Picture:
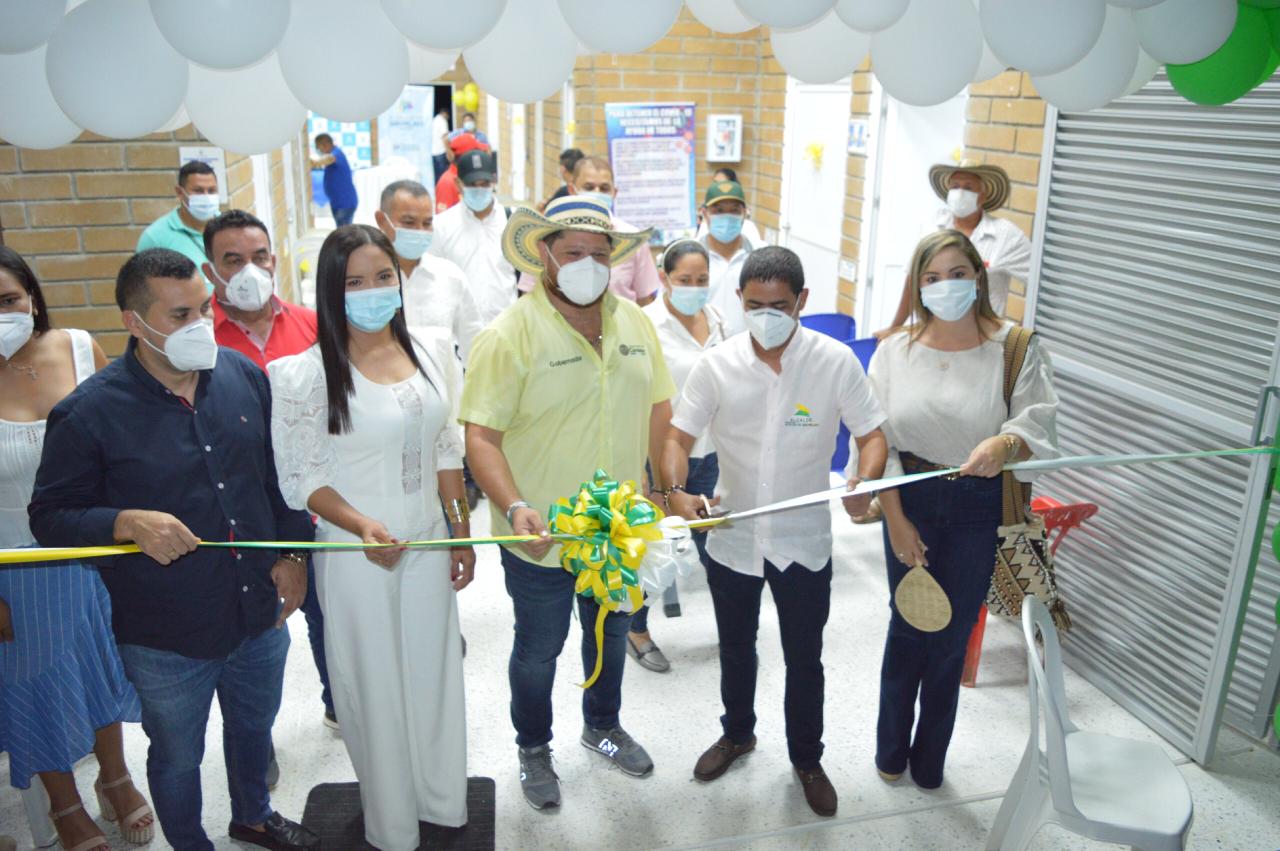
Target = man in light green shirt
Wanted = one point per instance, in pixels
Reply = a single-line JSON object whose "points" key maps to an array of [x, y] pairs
{"points": [[182, 229], [567, 380]]}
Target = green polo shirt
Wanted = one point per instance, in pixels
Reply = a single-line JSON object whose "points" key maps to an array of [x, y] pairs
{"points": [[169, 231], [564, 410]]}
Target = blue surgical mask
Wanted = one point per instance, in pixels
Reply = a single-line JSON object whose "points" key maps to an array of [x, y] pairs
{"points": [[951, 299], [202, 207], [412, 244], [477, 198], [689, 300], [370, 310], [469, 126], [725, 227], [604, 199]]}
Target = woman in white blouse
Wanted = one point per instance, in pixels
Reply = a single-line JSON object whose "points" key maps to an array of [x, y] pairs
{"points": [[361, 422], [687, 326], [941, 384]]}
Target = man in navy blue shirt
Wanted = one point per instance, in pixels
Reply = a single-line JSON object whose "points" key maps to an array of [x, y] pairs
{"points": [[337, 180], [168, 446]]}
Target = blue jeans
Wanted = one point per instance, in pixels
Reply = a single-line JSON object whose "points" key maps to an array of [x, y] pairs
{"points": [[803, 600], [957, 520], [315, 634], [703, 474], [176, 693], [543, 598], [343, 215]]}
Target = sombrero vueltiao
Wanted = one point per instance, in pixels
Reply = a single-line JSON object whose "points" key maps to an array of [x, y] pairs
{"points": [[993, 177], [527, 227]]}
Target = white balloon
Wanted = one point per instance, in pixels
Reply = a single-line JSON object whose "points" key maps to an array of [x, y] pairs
{"points": [[29, 116], [111, 70], [870, 16], [27, 24], [342, 66], [930, 54], [444, 24], [823, 52], [723, 16], [1134, 4], [1143, 73], [1101, 76], [180, 119], [426, 65], [620, 26], [222, 33], [1041, 36], [785, 14], [247, 111], [1184, 31], [989, 66], [527, 56]]}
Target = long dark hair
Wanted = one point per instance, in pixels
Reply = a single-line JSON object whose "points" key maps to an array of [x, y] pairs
{"points": [[12, 262], [331, 315]]}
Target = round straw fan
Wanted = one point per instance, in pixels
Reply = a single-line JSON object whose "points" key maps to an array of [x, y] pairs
{"points": [[921, 600]]}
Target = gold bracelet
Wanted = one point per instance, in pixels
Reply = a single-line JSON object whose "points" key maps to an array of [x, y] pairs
{"points": [[458, 511], [1012, 446]]}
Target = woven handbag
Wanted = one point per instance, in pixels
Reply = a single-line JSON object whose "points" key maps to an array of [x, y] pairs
{"points": [[1024, 564]]}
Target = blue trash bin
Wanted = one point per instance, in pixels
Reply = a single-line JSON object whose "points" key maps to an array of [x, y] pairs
{"points": [[836, 325], [863, 349]]}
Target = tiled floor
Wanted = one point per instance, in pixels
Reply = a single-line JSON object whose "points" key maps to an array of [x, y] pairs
{"points": [[758, 804]]}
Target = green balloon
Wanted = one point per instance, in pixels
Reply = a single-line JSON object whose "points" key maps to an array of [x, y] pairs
{"points": [[1273, 21], [1233, 69], [1272, 64], [1276, 720]]}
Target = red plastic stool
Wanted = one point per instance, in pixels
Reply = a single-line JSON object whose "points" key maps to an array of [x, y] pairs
{"points": [[1057, 517]]}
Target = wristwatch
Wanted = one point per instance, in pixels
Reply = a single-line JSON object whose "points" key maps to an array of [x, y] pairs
{"points": [[511, 509]]}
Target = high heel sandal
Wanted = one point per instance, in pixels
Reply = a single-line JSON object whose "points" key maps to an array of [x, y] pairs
{"points": [[98, 841], [129, 824]]}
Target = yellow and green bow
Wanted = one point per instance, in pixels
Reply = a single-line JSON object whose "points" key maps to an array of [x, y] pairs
{"points": [[611, 525]]}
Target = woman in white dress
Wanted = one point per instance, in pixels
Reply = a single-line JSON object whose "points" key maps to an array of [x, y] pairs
{"points": [[361, 422]]}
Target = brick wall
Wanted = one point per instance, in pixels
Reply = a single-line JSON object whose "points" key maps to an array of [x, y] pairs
{"points": [[76, 212], [855, 194], [1005, 127]]}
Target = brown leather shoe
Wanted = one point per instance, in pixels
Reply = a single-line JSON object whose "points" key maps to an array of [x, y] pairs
{"points": [[818, 791], [717, 758]]}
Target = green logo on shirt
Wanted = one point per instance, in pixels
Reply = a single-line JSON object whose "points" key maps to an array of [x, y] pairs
{"points": [[626, 350], [802, 418]]}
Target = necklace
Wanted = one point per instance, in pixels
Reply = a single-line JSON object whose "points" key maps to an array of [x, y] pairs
{"points": [[29, 370]]}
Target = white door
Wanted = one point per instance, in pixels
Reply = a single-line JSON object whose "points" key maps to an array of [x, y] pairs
{"points": [[903, 207], [814, 166]]}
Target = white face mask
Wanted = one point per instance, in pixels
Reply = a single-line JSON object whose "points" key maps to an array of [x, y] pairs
{"points": [[250, 288], [202, 207], [582, 281], [770, 328], [190, 348], [15, 330], [951, 299], [962, 202]]}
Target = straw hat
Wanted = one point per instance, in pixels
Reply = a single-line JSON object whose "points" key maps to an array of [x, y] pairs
{"points": [[527, 227], [994, 180]]}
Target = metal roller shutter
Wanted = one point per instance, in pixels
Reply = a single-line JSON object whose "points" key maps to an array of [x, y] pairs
{"points": [[1157, 290]]}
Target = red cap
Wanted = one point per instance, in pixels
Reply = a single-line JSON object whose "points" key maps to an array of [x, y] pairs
{"points": [[465, 142]]}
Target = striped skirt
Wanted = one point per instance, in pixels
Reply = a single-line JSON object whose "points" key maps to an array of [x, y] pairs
{"points": [[61, 679]]}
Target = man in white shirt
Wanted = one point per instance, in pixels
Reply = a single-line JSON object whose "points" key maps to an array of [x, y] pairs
{"points": [[971, 192], [436, 292], [726, 206], [470, 235], [772, 401]]}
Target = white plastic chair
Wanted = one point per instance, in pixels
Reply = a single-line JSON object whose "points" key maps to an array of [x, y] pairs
{"points": [[1101, 787]]}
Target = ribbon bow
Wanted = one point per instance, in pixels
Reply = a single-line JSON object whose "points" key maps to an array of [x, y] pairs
{"points": [[610, 525]]}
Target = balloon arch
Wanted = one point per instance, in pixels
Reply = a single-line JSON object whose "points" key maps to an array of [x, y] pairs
{"points": [[245, 72]]}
